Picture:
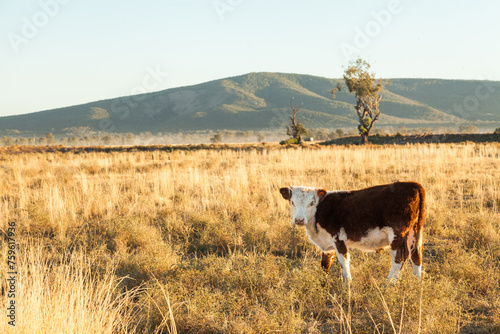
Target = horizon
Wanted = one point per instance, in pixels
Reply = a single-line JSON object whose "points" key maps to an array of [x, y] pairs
{"points": [[61, 53]]}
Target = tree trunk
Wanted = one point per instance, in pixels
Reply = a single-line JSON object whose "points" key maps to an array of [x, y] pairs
{"points": [[364, 138]]}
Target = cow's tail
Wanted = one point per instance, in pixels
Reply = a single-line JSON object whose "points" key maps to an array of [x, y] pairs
{"points": [[417, 250]]}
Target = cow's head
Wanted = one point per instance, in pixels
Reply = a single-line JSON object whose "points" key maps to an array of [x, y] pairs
{"points": [[303, 201]]}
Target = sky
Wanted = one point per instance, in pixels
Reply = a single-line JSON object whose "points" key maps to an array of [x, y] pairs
{"points": [[57, 53]]}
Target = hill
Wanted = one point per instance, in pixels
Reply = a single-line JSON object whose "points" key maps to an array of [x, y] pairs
{"points": [[258, 101]]}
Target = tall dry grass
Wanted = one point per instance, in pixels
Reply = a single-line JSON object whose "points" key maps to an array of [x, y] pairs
{"points": [[202, 242], [60, 293]]}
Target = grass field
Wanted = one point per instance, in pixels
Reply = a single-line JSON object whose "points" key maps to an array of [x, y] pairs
{"points": [[202, 242]]}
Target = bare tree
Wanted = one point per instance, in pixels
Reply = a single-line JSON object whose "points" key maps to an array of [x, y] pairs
{"points": [[295, 129]]}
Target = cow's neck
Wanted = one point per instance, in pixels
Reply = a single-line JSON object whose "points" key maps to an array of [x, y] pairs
{"points": [[311, 227], [319, 236]]}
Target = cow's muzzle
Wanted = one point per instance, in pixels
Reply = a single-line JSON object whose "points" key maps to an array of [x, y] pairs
{"points": [[299, 221]]}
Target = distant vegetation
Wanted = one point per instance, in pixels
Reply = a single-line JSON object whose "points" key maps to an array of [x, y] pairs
{"points": [[79, 137], [224, 137]]}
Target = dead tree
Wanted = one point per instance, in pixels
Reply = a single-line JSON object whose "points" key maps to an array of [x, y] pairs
{"points": [[295, 130]]}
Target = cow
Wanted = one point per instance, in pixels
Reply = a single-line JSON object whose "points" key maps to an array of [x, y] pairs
{"points": [[370, 219]]}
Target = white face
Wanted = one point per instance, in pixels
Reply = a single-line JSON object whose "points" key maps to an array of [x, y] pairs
{"points": [[303, 201]]}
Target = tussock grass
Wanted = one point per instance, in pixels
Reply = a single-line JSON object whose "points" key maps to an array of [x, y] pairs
{"points": [[61, 293], [201, 241]]}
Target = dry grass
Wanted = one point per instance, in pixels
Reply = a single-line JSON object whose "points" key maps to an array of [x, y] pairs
{"points": [[60, 293], [201, 242]]}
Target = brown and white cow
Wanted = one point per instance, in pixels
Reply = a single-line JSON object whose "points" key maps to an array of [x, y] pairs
{"points": [[370, 219]]}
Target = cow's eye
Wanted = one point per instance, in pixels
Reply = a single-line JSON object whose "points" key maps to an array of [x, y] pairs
{"points": [[311, 204]]}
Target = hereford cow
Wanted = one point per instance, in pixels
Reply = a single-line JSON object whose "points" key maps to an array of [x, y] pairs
{"points": [[370, 219]]}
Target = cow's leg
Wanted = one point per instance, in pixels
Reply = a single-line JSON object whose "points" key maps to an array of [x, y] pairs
{"points": [[343, 257], [344, 262], [415, 246], [395, 266], [399, 253], [417, 270], [326, 260]]}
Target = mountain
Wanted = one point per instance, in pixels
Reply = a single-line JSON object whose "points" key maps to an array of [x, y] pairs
{"points": [[257, 101]]}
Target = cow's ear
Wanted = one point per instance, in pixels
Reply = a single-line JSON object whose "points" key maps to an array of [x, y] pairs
{"points": [[321, 194], [286, 193]]}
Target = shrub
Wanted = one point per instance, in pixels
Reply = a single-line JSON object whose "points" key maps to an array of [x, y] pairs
{"points": [[468, 128], [289, 141], [217, 138]]}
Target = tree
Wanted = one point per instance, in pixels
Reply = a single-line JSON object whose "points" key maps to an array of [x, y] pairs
{"points": [[468, 128], [229, 134], [49, 137], [217, 138], [8, 141], [295, 130], [80, 132], [21, 141], [321, 134], [367, 90], [130, 138], [106, 139]]}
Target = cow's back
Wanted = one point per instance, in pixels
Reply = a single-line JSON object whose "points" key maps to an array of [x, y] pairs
{"points": [[398, 206]]}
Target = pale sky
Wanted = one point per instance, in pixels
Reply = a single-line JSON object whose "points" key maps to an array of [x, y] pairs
{"points": [[56, 53]]}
